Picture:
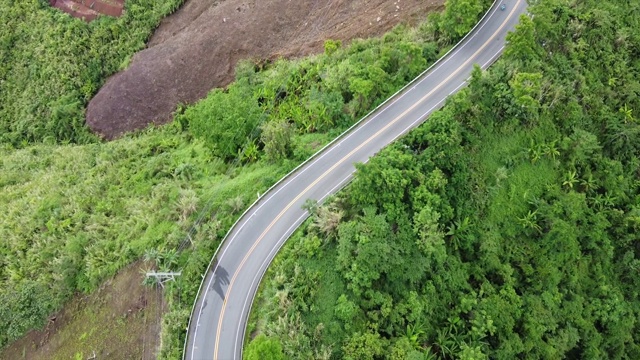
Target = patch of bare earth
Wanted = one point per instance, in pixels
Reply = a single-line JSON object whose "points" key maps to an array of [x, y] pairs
{"points": [[89, 10], [121, 320], [196, 49]]}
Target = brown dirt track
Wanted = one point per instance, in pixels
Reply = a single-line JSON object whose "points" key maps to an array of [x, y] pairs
{"points": [[196, 49], [89, 9]]}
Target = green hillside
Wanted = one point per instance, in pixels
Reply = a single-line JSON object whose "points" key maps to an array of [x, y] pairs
{"points": [[507, 226], [76, 210]]}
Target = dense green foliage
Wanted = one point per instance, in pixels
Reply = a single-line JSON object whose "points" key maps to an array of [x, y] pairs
{"points": [[52, 64], [504, 227], [264, 348]]}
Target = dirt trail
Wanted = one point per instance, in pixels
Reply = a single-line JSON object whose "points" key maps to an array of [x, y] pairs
{"points": [[196, 49], [89, 9]]}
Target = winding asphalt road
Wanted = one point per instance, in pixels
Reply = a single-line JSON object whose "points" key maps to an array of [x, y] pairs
{"points": [[218, 320]]}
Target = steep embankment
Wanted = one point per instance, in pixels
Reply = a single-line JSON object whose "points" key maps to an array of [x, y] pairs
{"points": [[196, 49]]}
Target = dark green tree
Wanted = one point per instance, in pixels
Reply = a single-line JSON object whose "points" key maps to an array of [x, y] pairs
{"points": [[459, 17], [263, 347]]}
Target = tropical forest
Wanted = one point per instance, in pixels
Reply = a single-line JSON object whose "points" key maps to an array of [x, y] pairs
{"points": [[506, 226]]}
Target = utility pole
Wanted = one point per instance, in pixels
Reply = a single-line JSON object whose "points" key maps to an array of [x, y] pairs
{"points": [[163, 277]]}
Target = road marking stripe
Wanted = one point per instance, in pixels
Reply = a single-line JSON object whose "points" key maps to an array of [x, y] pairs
{"points": [[257, 242]]}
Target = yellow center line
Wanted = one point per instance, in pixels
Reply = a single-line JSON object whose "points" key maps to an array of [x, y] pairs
{"points": [[442, 83]]}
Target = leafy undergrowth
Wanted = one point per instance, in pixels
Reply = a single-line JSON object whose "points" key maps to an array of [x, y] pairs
{"points": [[121, 320]]}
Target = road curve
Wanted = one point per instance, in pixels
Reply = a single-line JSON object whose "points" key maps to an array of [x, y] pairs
{"points": [[218, 320]]}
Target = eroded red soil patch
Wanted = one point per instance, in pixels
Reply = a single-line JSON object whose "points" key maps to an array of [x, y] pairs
{"points": [[89, 9]]}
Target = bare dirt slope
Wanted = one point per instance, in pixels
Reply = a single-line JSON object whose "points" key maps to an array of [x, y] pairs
{"points": [[121, 320], [196, 49]]}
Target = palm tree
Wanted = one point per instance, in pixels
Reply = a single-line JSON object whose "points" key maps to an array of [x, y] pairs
{"points": [[551, 149], [429, 354], [571, 179], [598, 201], [627, 113], [152, 255], [529, 221], [609, 200], [310, 205], [589, 184], [250, 152], [458, 231], [501, 174], [236, 204], [415, 334], [535, 152], [448, 340], [601, 201], [327, 219], [168, 258], [187, 203]]}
